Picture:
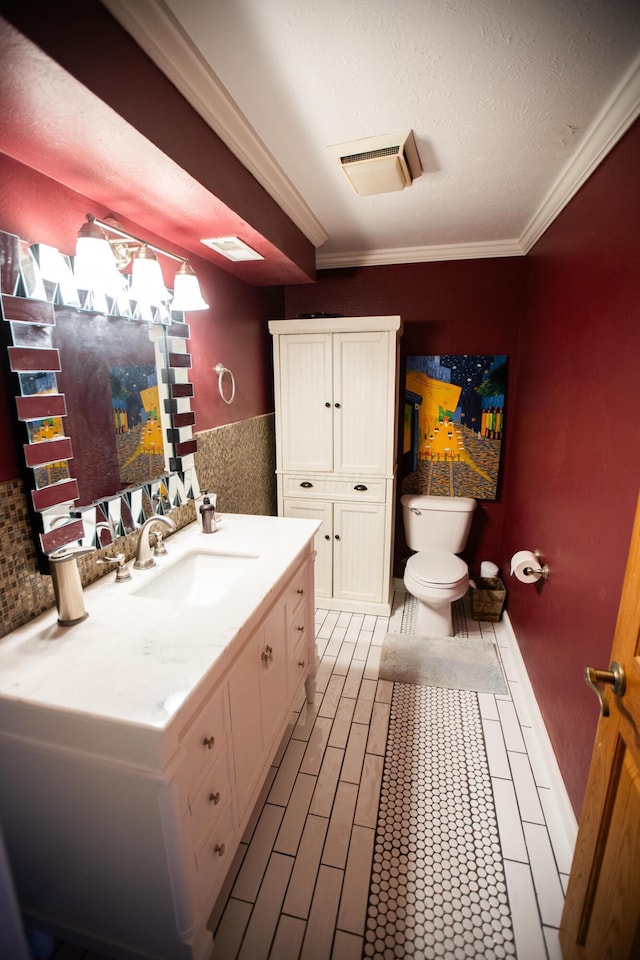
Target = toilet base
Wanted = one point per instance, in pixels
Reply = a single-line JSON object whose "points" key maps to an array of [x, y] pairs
{"points": [[434, 621]]}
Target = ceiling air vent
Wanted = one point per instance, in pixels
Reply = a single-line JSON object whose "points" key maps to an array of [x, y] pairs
{"points": [[379, 164], [232, 248]]}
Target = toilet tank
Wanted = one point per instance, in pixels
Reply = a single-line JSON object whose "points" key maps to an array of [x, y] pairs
{"points": [[437, 523]]}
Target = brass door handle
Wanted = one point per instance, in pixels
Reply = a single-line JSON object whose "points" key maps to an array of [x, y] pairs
{"points": [[614, 676]]}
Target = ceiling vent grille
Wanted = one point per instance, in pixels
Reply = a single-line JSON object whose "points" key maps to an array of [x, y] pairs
{"points": [[379, 164]]}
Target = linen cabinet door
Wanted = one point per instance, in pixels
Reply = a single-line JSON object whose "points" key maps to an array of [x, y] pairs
{"points": [[364, 403], [323, 541], [359, 555], [306, 402]]}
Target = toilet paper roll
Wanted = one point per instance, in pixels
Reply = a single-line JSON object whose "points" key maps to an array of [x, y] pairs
{"points": [[488, 570], [522, 563]]}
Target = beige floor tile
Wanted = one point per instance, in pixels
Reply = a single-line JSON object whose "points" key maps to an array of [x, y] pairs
{"points": [[295, 815], [355, 890], [327, 783], [266, 912], [354, 754], [305, 870], [322, 919], [336, 845]]}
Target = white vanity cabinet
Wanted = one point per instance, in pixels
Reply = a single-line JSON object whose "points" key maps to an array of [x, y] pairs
{"points": [[119, 832], [336, 385]]}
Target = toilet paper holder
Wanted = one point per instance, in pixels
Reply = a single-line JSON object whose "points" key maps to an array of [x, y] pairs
{"points": [[542, 571]]}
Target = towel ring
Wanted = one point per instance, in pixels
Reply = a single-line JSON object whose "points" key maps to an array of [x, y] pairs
{"points": [[220, 369]]}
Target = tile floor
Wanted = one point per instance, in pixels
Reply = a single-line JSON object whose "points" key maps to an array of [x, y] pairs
{"points": [[306, 882]]}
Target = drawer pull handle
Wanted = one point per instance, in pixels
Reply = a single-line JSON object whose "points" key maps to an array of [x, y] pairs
{"points": [[301, 663], [360, 486], [219, 849], [306, 484], [209, 742], [214, 798]]}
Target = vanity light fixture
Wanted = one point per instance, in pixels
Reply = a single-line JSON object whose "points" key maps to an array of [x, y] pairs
{"points": [[99, 255], [94, 267]]}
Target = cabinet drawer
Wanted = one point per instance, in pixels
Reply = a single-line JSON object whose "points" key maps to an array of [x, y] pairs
{"points": [[204, 742], [297, 591], [214, 856], [338, 488], [209, 801]]}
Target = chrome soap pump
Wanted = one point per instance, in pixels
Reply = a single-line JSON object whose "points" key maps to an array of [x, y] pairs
{"points": [[208, 513]]}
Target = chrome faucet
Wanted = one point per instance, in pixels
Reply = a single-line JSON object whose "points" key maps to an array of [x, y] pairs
{"points": [[144, 560], [67, 585]]}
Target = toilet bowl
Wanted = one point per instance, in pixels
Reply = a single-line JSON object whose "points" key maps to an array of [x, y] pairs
{"points": [[436, 579], [437, 528]]}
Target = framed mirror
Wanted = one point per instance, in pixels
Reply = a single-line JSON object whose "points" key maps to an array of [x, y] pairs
{"points": [[103, 403]]}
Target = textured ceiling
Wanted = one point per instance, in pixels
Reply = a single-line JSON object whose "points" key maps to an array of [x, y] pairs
{"points": [[512, 103]]}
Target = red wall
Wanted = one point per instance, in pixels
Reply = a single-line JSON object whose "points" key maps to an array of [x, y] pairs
{"points": [[458, 306], [574, 466], [232, 331], [568, 315]]}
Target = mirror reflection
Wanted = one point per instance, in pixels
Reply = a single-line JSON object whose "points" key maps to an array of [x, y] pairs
{"points": [[96, 397]]}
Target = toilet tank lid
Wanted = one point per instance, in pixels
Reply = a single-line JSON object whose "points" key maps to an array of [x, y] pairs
{"points": [[424, 502]]}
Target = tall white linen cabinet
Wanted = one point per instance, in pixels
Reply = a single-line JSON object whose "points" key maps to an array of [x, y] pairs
{"points": [[336, 402]]}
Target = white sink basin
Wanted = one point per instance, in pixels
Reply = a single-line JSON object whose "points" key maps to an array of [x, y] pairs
{"points": [[199, 579]]}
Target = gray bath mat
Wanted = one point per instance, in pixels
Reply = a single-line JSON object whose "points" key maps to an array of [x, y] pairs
{"points": [[458, 663]]}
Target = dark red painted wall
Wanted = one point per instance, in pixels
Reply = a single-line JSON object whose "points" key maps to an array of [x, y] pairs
{"points": [[573, 469], [232, 331], [457, 306]]}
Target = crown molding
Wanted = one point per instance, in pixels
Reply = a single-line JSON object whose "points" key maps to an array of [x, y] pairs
{"points": [[448, 251], [613, 120], [155, 29]]}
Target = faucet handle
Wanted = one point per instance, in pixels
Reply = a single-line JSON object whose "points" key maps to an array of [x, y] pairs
{"points": [[122, 573], [68, 551]]}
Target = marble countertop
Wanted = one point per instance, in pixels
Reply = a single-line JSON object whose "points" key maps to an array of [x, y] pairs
{"points": [[140, 661]]}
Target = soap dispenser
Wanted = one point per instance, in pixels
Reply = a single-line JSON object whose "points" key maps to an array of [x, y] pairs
{"points": [[208, 513]]}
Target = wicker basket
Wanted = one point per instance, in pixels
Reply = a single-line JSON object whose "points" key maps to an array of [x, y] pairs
{"points": [[487, 599]]}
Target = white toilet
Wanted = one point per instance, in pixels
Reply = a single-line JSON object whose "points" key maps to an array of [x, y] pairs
{"points": [[437, 527]]}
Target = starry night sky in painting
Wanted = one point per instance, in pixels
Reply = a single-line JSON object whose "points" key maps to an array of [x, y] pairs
{"points": [[465, 371]]}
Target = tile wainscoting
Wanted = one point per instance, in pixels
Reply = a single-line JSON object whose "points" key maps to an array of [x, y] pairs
{"points": [[236, 461]]}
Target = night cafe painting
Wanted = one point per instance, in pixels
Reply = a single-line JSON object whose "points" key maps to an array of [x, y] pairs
{"points": [[453, 425]]}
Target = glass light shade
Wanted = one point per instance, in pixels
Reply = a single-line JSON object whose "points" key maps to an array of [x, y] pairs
{"points": [[94, 265], [147, 283], [187, 295]]}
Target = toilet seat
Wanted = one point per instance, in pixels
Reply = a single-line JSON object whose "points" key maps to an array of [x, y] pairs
{"points": [[437, 568]]}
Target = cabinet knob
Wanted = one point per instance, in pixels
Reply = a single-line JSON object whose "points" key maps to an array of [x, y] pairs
{"points": [[327, 404], [337, 405], [337, 536], [300, 629], [301, 663], [209, 742], [300, 591], [327, 537], [214, 798], [219, 849]]}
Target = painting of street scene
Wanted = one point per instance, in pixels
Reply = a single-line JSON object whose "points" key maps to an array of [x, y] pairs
{"points": [[136, 421], [453, 425]]}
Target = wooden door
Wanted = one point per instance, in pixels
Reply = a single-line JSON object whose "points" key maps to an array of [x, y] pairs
{"points": [[323, 511], [601, 918]]}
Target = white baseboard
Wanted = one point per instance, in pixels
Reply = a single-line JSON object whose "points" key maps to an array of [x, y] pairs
{"points": [[562, 805]]}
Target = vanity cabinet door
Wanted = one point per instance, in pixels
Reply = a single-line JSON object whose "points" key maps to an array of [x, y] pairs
{"points": [[246, 721]]}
